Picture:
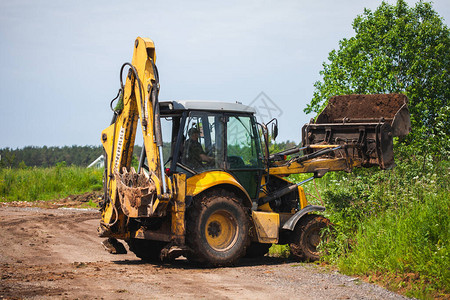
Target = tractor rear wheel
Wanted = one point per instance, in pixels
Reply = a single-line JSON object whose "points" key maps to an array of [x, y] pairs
{"points": [[307, 236], [216, 229], [147, 250]]}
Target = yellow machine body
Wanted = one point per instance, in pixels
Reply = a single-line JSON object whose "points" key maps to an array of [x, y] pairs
{"points": [[218, 211]]}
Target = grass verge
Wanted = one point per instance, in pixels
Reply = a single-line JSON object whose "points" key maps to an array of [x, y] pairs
{"points": [[31, 184], [392, 227]]}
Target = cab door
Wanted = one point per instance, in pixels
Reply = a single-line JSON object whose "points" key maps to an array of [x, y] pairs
{"points": [[243, 152]]}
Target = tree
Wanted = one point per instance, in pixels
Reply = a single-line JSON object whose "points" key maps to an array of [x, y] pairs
{"points": [[7, 158], [396, 49]]}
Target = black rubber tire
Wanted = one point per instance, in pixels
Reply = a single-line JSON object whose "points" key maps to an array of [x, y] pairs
{"points": [[256, 250], [147, 250], [307, 236], [203, 231]]}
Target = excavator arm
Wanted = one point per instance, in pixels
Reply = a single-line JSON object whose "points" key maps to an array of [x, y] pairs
{"points": [[126, 190]]}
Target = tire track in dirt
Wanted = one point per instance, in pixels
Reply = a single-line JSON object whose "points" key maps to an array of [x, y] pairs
{"points": [[55, 253]]}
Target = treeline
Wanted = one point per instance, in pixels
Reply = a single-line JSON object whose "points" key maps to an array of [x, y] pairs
{"points": [[32, 156]]}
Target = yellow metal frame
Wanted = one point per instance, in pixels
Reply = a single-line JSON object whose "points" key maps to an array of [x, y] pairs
{"points": [[328, 164], [302, 197], [267, 226], [203, 181], [118, 139], [179, 209]]}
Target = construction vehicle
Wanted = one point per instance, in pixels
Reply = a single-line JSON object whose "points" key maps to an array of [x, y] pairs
{"points": [[219, 194]]}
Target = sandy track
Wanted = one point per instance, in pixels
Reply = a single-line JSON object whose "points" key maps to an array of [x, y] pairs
{"points": [[55, 253]]}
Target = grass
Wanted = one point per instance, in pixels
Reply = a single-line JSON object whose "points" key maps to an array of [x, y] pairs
{"points": [[279, 251], [31, 184], [392, 226], [412, 240]]}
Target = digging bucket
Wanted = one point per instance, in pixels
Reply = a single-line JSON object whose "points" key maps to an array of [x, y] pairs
{"points": [[137, 193]]}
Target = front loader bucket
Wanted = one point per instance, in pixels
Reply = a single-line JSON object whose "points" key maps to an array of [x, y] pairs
{"points": [[364, 125], [386, 108]]}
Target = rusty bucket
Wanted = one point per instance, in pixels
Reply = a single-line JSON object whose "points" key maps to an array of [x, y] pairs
{"points": [[364, 123]]}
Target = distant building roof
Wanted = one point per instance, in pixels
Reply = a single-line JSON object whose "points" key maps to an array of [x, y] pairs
{"points": [[99, 162]]}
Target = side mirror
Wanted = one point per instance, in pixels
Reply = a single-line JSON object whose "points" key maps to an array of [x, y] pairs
{"points": [[275, 130]]}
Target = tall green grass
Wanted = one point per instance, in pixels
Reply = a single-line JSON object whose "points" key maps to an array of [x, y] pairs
{"points": [[395, 223], [31, 184], [414, 239]]}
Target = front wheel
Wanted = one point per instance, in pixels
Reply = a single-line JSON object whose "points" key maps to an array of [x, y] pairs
{"points": [[307, 236], [217, 229]]}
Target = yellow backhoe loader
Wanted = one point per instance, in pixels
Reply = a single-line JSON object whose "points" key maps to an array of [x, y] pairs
{"points": [[210, 190]]}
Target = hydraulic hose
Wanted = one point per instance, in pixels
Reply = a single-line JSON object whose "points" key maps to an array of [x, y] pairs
{"points": [[112, 101], [139, 84], [157, 124]]}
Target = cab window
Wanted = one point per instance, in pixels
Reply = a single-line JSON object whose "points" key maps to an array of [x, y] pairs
{"points": [[242, 143], [203, 145]]}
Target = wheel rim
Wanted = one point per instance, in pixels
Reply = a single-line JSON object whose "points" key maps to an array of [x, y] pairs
{"points": [[221, 230], [313, 240]]}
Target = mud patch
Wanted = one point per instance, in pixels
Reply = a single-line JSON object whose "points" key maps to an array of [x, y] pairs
{"points": [[86, 197], [81, 200], [18, 282], [67, 260]]}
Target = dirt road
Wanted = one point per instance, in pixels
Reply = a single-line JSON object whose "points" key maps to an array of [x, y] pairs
{"points": [[55, 253]]}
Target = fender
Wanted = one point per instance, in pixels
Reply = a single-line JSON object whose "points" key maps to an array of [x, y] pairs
{"points": [[203, 181], [290, 224]]}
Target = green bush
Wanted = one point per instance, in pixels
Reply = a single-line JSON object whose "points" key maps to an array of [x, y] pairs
{"points": [[395, 221]]}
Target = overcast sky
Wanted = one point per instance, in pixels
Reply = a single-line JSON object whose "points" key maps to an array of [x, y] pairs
{"points": [[60, 60]]}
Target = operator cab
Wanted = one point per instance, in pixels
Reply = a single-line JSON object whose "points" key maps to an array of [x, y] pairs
{"points": [[209, 136]]}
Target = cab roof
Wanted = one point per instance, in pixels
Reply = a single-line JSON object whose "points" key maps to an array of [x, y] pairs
{"points": [[182, 105]]}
